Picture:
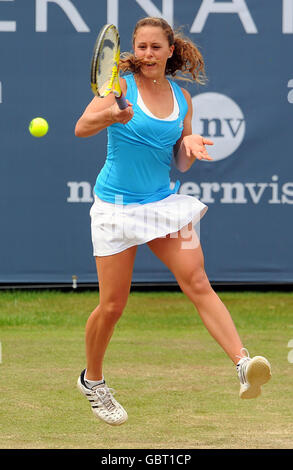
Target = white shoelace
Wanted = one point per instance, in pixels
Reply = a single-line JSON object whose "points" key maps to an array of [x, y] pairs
{"points": [[104, 394], [246, 354]]}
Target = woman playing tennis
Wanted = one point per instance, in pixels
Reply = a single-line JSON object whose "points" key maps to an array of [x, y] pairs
{"points": [[134, 204]]}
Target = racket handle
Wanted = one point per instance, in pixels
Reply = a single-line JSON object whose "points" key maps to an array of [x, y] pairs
{"points": [[121, 101]]}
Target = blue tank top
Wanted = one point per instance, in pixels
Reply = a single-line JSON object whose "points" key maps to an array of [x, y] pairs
{"points": [[139, 154]]}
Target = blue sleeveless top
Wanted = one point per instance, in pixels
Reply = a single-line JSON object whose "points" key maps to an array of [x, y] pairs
{"points": [[139, 154]]}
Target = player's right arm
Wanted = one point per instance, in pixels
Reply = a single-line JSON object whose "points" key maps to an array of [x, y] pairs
{"points": [[101, 113]]}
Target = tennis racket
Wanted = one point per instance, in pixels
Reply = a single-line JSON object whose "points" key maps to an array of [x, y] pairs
{"points": [[105, 65]]}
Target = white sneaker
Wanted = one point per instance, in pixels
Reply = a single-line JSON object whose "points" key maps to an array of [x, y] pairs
{"points": [[253, 373], [103, 404]]}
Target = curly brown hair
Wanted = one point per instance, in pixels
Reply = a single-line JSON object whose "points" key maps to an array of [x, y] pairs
{"points": [[186, 57]]}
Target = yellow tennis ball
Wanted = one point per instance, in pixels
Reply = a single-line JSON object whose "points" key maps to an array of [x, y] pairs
{"points": [[38, 127]]}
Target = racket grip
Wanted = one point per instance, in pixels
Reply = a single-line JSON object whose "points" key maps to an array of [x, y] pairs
{"points": [[121, 101]]}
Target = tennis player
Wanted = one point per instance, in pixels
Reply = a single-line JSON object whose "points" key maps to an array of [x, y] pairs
{"points": [[134, 203]]}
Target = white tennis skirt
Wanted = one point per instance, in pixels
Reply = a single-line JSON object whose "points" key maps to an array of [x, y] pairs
{"points": [[116, 227]]}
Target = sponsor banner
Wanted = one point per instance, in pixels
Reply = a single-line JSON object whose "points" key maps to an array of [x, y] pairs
{"points": [[246, 108]]}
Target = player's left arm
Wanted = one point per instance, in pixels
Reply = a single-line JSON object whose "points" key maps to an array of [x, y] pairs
{"points": [[190, 146]]}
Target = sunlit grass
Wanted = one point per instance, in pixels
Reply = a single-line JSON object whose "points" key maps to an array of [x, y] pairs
{"points": [[178, 386]]}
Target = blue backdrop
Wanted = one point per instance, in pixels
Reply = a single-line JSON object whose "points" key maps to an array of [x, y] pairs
{"points": [[246, 108]]}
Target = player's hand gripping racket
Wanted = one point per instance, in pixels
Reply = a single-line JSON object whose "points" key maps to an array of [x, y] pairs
{"points": [[105, 65]]}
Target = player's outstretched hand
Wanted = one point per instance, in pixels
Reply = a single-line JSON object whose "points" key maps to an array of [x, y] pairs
{"points": [[194, 145]]}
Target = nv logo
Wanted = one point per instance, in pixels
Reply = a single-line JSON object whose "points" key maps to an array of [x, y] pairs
{"points": [[219, 118], [214, 127]]}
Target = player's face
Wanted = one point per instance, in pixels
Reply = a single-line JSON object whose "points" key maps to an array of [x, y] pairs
{"points": [[151, 45]]}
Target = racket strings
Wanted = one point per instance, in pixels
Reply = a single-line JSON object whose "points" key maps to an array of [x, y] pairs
{"points": [[107, 60]]}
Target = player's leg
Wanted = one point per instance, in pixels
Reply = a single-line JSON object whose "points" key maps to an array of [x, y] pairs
{"points": [[183, 256], [114, 274]]}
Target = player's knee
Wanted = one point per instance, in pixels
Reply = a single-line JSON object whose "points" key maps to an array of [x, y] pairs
{"points": [[112, 310], [196, 283]]}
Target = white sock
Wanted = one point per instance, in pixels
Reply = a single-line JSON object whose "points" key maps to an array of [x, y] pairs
{"points": [[93, 383]]}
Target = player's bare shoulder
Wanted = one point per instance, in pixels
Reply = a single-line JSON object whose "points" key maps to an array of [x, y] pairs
{"points": [[187, 95]]}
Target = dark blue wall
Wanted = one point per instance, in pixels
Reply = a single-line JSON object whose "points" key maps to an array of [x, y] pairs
{"points": [[246, 108]]}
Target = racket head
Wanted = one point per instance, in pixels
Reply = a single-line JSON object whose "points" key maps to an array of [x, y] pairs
{"points": [[105, 62]]}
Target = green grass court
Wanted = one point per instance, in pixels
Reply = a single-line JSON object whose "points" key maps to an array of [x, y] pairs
{"points": [[179, 388]]}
